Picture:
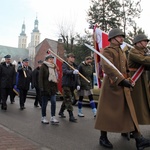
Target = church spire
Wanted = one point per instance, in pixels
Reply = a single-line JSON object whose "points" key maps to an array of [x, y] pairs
{"points": [[23, 29], [36, 23]]}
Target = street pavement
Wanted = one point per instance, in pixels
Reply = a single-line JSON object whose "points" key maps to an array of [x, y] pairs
{"points": [[23, 130]]}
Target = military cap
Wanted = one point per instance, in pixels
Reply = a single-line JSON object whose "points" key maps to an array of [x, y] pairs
{"points": [[70, 55], [40, 62], [115, 32], [7, 56], [88, 57], [140, 37], [25, 60], [49, 56]]}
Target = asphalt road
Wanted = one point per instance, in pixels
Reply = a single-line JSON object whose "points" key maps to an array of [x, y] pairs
{"points": [[66, 135]]}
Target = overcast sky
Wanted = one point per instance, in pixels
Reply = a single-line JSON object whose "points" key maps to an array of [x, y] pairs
{"points": [[50, 14]]}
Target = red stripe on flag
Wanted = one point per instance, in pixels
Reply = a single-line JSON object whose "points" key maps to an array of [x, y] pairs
{"points": [[100, 41], [137, 74], [59, 65]]}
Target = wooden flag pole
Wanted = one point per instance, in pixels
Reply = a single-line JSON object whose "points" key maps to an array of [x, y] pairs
{"points": [[69, 65]]}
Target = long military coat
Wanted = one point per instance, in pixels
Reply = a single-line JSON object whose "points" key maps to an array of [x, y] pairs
{"points": [[115, 108], [140, 93]]}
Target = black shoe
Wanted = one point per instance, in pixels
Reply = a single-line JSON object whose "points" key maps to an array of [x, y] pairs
{"points": [[142, 143], [72, 119], [127, 135], [103, 141], [61, 114], [4, 107], [71, 116], [36, 105], [22, 108]]}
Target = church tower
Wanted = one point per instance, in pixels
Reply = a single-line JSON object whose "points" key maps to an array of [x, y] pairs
{"points": [[35, 40], [35, 35], [22, 39]]}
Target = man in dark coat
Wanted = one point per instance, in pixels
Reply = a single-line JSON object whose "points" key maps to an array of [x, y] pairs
{"points": [[116, 111], [69, 84], [35, 84], [7, 80], [24, 80]]}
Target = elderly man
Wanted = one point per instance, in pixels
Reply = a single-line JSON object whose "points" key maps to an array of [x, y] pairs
{"points": [[7, 80], [24, 80]]}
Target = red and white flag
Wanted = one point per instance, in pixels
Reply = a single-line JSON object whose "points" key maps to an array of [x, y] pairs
{"points": [[100, 41]]}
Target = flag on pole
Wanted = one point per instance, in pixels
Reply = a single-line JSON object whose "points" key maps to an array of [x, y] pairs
{"points": [[100, 39]]}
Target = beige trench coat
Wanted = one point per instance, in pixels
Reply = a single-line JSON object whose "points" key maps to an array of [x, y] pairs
{"points": [[140, 93], [115, 111]]}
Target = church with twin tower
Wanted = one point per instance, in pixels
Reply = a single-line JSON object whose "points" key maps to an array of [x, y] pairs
{"points": [[35, 39]]}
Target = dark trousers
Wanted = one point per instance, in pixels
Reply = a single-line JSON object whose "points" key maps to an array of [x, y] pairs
{"points": [[22, 97], [38, 97], [45, 100], [4, 94]]}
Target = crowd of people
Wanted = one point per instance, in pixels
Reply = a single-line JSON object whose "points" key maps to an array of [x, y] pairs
{"points": [[124, 102]]}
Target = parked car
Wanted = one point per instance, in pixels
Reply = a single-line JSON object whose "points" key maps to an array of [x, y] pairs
{"points": [[32, 93]]}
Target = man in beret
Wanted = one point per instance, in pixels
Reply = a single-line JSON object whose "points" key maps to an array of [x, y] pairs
{"points": [[24, 80], [35, 84], [7, 80]]}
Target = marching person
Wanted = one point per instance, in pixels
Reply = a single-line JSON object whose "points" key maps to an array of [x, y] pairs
{"points": [[115, 109], [69, 84], [24, 80], [85, 88], [7, 80], [48, 86], [140, 56], [35, 84]]}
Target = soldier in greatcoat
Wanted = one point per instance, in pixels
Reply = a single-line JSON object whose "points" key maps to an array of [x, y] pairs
{"points": [[140, 56], [115, 109], [7, 80]]}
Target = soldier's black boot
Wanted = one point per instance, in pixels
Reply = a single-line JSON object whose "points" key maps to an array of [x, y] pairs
{"points": [[142, 143], [103, 141], [4, 106], [71, 117], [61, 113]]}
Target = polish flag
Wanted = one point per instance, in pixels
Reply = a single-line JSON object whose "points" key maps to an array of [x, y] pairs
{"points": [[100, 39]]}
